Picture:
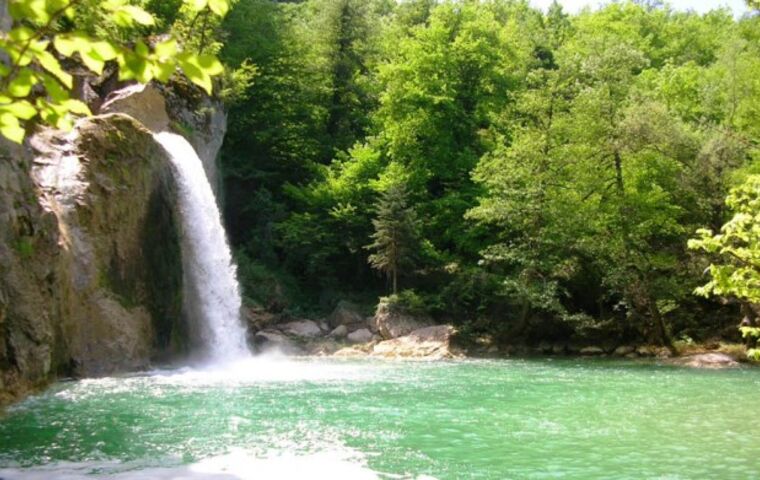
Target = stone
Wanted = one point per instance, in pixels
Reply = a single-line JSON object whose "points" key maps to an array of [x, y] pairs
{"points": [[269, 341], [592, 351], [302, 328], [345, 313], [371, 324], [350, 352], [393, 323], [362, 335], [322, 347], [430, 342], [707, 360], [624, 350], [144, 103], [645, 351], [339, 332]]}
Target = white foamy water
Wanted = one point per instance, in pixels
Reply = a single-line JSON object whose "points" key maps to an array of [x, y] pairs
{"points": [[211, 290], [239, 464]]}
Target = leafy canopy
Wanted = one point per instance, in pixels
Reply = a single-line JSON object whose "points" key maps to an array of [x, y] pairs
{"points": [[33, 82]]}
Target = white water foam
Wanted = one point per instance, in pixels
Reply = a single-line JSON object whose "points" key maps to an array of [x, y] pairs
{"points": [[211, 290], [239, 464]]}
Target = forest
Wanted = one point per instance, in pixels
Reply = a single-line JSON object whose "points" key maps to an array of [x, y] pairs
{"points": [[530, 174]]}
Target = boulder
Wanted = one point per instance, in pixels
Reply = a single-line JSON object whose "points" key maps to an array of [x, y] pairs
{"points": [[322, 347], [624, 350], [362, 335], [558, 349], [707, 360], [302, 328], [339, 332], [645, 351], [269, 341], [350, 352], [345, 313], [393, 322], [429, 342], [144, 103], [592, 351]]}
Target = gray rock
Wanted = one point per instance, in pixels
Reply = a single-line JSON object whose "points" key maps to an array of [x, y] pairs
{"points": [[346, 313], [339, 332], [392, 323], [144, 103], [624, 350], [707, 360], [429, 342], [302, 328], [592, 351], [360, 336], [645, 351]]}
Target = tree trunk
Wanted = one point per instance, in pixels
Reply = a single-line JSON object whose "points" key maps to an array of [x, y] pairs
{"points": [[395, 282]]}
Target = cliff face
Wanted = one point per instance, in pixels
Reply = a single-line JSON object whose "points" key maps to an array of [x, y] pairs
{"points": [[90, 263]]}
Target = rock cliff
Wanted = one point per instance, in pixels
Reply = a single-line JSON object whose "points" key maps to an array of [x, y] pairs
{"points": [[90, 262]]}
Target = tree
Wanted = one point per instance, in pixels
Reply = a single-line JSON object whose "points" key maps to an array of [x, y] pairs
{"points": [[737, 247], [395, 233], [45, 31]]}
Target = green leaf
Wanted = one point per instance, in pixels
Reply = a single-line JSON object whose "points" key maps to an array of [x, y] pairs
{"points": [[10, 128], [93, 61], [22, 85], [164, 70], [197, 5], [210, 64], [21, 109], [219, 7], [105, 50], [49, 63], [77, 106], [196, 75], [138, 14], [54, 89], [166, 49]]}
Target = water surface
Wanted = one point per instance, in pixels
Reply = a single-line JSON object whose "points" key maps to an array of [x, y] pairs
{"points": [[522, 419]]}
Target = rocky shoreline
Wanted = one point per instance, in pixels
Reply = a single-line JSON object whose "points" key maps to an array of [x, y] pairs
{"points": [[346, 333]]}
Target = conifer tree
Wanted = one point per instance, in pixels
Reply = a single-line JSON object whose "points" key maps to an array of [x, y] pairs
{"points": [[395, 233]]}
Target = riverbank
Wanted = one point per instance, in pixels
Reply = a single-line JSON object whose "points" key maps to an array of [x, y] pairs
{"points": [[346, 333]]}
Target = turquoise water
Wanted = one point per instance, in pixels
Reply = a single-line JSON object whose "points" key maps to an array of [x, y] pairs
{"points": [[500, 419]]}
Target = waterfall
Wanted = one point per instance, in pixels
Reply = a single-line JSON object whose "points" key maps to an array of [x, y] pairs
{"points": [[211, 291]]}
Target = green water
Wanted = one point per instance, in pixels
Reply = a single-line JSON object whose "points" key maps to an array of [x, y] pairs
{"points": [[531, 419]]}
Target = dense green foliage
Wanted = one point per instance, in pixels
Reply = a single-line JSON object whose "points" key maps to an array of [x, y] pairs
{"points": [[557, 164], [738, 248], [35, 85]]}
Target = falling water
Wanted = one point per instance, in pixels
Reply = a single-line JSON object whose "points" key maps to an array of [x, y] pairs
{"points": [[211, 290]]}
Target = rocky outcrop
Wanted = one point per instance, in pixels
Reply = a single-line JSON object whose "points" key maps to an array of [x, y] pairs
{"points": [[89, 255], [706, 360], [429, 342], [302, 328], [393, 322], [347, 314], [90, 263]]}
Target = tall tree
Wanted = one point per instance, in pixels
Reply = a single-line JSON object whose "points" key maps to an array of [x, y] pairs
{"points": [[395, 236]]}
